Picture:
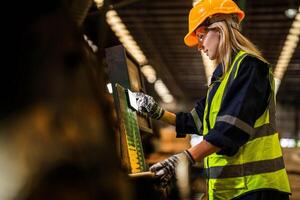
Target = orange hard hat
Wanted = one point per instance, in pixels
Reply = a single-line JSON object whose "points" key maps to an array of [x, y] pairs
{"points": [[207, 8]]}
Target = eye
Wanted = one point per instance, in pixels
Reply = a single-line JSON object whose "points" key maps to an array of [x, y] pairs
{"points": [[200, 37]]}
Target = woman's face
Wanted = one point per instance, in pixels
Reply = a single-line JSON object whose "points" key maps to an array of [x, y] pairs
{"points": [[208, 41]]}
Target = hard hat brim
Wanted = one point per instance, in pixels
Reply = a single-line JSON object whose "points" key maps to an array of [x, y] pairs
{"points": [[191, 39]]}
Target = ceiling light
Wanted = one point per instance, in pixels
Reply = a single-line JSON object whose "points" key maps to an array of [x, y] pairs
{"points": [[124, 36], [168, 98], [277, 83], [99, 3], [133, 48], [295, 31], [296, 24], [109, 88], [288, 49], [160, 87], [90, 43], [291, 13], [298, 16], [162, 90], [287, 142], [149, 73]]}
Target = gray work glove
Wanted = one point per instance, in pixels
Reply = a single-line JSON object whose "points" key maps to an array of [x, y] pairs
{"points": [[148, 105], [165, 170]]}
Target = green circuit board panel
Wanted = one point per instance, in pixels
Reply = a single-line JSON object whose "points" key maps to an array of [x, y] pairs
{"points": [[131, 144]]}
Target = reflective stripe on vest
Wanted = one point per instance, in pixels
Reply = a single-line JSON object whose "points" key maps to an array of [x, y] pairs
{"points": [[240, 56], [258, 161], [261, 131], [197, 120], [251, 168]]}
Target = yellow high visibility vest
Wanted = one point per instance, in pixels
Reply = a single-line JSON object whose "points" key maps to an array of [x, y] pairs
{"points": [[258, 164]]}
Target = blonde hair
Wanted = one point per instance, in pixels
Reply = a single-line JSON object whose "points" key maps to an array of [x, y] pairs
{"points": [[232, 41]]}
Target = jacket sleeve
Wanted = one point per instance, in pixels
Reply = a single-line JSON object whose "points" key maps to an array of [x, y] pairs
{"points": [[245, 101], [191, 122]]}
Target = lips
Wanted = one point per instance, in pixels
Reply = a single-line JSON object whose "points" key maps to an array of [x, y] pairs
{"points": [[206, 52]]}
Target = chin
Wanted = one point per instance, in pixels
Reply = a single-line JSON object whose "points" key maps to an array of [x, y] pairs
{"points": [[211, 58]]}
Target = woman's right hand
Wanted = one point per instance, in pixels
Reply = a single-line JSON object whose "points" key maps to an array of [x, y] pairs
{"points": [[147, 104]]}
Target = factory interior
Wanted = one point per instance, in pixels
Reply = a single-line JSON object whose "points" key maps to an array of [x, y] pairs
{"points": [[68, 130]]}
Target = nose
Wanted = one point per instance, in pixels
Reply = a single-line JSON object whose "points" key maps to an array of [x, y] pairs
{"points": [[200, 47]]}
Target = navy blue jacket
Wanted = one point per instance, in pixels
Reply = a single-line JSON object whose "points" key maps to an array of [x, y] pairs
{"points": [[246, 99]]}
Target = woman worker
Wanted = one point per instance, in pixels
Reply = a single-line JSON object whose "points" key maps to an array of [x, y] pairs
{"points": [[241, 150]]}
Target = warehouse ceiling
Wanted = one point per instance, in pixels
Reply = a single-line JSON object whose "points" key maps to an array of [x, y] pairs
{"points": [[160, 26]]}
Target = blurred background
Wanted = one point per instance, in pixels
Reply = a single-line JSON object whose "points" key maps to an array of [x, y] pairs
{"points": [[58, 118]]}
